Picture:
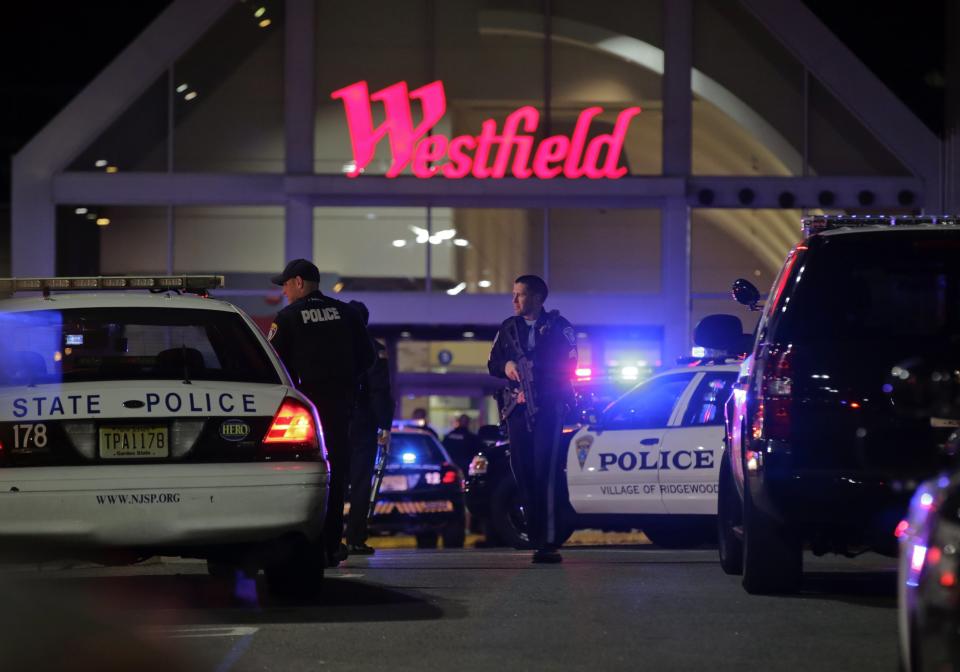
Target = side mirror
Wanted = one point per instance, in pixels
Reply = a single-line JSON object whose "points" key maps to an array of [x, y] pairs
{"points": [[921, 388], [746, 293], [721, 332], [490, 434]]}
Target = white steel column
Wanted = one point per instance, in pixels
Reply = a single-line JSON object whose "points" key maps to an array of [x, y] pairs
{"points": [[675, 214], [299, 121]]}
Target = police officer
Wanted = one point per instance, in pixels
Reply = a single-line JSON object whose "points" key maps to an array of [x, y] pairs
{"points": [[462, 444], [374, 413], [536, 351], [325, 347]]}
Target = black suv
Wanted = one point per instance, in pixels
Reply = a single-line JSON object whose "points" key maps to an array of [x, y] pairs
{"points": [[815, 450]]}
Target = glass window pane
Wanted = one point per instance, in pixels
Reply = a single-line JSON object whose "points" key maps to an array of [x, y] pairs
{"points": [[610, 54], [228, 94], [582, 258], [706, 404], [648, 406], [136, 141], [748, 96]]}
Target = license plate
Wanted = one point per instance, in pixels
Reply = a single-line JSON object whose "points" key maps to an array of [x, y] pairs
{"points": [[132, 443], [393, 484]]}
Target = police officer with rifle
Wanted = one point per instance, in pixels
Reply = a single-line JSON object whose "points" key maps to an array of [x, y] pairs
{"points": [[325, 346], [536, 351]]}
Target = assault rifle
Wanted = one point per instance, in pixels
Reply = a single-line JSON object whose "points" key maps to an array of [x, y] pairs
{"points": [[527, 380]]}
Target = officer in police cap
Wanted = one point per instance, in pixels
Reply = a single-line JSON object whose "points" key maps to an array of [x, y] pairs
{"points": [[536, 351], [373, 417], [325, 346]]}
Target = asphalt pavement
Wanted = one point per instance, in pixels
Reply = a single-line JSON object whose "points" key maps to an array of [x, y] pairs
{"points": [[609, 608]]}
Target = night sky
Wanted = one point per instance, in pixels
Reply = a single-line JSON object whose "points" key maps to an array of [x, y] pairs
{"points": [[51, 50]]}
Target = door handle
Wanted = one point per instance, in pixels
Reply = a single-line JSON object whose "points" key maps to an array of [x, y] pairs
{"points": [[649, 442]]}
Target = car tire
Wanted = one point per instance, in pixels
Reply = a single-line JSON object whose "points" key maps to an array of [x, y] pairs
{"points": [[300, 571], [454, 536], [506, 516], [729, 516], [427, 540], [772, 552]]}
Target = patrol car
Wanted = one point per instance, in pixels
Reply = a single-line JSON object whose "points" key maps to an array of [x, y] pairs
{"points": [[156, 422], [422, 490], [818, 450], [648, 461]]}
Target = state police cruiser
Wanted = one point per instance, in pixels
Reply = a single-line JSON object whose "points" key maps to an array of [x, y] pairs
{"points": [[325, 347], [537, 352]]}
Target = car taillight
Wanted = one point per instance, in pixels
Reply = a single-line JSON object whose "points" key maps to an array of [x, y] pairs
{"points": [[451, 475], [773, 419], [294, 427]]}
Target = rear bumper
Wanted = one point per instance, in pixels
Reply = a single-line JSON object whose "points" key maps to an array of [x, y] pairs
{"points": [[159, 506], [415, 511]]}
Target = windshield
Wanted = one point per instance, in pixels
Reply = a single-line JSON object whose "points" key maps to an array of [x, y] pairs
{"points": [[102, 344], [895, 285], [409, 450]]}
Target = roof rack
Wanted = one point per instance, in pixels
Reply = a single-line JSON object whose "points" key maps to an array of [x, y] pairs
{"points": [[195, 284], [819, 223]]}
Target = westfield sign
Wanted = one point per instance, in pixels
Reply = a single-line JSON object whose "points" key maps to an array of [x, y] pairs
{"points": [[491, 154]]}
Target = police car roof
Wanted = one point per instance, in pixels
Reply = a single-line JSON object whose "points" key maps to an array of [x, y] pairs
{"points": [[883, 228], [131, 299], [709, 366]]}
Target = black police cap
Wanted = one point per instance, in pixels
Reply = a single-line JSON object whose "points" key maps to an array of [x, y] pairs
{"points": [[298, 267]]}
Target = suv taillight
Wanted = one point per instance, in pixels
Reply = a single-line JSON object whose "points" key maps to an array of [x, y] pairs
{"points": [[295, 429], [776, 396]]}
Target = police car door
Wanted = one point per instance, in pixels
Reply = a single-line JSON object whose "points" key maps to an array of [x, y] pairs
{"points": [[612, 467], [691, 449]]}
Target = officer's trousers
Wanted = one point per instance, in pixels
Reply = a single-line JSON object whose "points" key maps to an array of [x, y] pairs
{"points": [[363, 456], [538, 467], [335, 420]]}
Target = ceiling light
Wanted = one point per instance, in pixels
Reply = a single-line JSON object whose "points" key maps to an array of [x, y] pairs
{"points": [[468, 334], [435, 239], [422, 234], [337, 288], [446, 234], [485, 283], [112, 169], [91, 216], [260, 12], [349, 167], [182, 88], [371, 215], [265, 23], [461, 242], [399, 243], [190, 96], [453, 291], [81, 211], [404, 334], [103, 221], [100, 163]]}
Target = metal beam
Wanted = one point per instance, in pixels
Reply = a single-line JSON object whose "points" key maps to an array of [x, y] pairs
{"points": [[675, 278], [677, 99], [299, 83], [856, 87]]}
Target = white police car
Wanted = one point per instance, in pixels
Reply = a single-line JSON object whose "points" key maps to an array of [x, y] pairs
{"points": [[142, 423], [651, 458]]}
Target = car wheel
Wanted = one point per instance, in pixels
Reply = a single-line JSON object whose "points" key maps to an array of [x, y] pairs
{"points": [[729, 516], [454, 536], [427, 540], [772, 552], [300, 571], [506, 514]]}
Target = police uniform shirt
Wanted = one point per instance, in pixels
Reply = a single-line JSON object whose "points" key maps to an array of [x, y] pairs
{"points": [[324, 345], [553, 350]]}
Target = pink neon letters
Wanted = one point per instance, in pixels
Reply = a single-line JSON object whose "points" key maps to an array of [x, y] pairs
{"points": [[467, 155]]}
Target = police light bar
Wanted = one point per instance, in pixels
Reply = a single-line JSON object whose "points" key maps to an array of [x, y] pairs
{"points": [[184, 283], [820, 223]]}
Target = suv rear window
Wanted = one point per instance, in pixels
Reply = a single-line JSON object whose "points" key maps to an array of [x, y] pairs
{"points": [[875, 286], [104, 344]]}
